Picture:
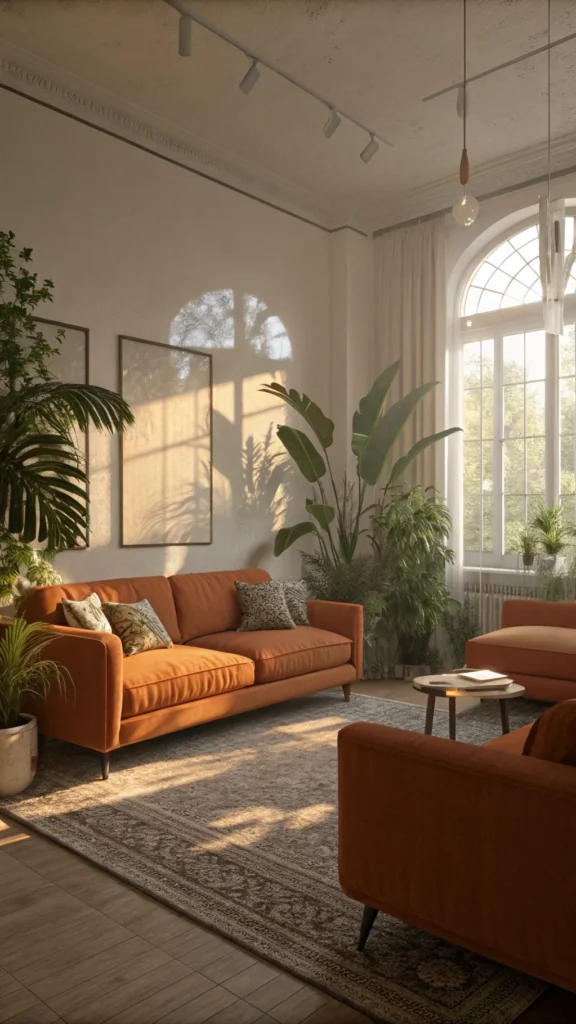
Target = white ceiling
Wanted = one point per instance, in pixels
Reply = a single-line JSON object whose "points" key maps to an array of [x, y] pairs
{"points": [[375, 58]]}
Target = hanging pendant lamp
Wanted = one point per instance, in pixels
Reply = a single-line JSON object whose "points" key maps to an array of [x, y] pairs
{"points": [[465, 209], [551, 239]]}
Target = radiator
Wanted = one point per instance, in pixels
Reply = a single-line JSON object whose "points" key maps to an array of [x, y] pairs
{"points": [[487, 599]]}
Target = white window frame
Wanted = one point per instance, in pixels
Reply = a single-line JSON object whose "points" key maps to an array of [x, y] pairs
{"points": [[495, 324]]}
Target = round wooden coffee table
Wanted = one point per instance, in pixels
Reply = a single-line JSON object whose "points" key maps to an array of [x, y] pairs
{"points": [[450, 686]]}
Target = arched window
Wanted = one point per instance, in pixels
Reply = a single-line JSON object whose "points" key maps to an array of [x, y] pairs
{"points": [[519, 389]]}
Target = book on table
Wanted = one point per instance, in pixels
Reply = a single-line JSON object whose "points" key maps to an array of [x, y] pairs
{"points": [[481, 675]]}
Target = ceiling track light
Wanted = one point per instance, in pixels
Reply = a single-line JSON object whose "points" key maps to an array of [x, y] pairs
{"points": [[250, 78], [332, 124], [370, 150], [185, 36]]}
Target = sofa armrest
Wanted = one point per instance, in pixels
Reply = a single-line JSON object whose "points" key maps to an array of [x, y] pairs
{"points": [[89, 709], [345, 619], [456, 839], [526, 612]]}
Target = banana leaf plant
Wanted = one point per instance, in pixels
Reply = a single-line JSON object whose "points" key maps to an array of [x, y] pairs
{"points": [[335, 514], [43, 482]]}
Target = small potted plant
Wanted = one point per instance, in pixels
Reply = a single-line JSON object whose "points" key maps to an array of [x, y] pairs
{"points": [[24, 673], [527, 545], [553, 534]]}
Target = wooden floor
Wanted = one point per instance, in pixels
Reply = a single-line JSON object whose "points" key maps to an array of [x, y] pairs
{"points": [[79, 946]]}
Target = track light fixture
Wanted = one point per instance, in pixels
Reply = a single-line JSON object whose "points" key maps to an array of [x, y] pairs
{"points": [[332, 124], [250, 78], [185, 36], [370, 150]]}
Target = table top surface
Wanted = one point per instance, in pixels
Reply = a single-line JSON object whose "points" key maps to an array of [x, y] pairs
{"points": [[452, 688]]}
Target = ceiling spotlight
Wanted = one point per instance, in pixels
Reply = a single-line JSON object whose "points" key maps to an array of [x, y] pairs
{"points": [[331, 124], [185, 36], [370, 150], [250, 78]]}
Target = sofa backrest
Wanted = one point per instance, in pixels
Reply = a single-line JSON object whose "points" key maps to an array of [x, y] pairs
{"points": [[44, 604], [207, 602], [539, 613]]}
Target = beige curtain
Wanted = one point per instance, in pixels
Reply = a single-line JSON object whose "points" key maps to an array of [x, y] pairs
{"points": [[411, 326]]}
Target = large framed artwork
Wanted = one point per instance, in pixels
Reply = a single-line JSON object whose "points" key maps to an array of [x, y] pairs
{"points": [[71, 365], [166, 456]]}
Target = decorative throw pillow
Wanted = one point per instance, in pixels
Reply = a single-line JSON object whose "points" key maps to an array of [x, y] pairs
{"points": [[296, 594], [263, 606], [553, 735], [137, 625], [86, 614]]}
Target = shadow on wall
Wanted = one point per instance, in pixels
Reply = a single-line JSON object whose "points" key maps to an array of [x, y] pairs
{"points": [[250, 346]]}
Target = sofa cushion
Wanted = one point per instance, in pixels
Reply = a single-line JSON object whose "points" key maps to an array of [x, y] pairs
{"points": [[44, 604], [511, 742], [206, 602], [553, 735], [164, 678], [280, 653], [529, 650]]}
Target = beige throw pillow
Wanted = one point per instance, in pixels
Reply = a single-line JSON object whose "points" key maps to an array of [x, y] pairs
{"points": [[86, 614]]}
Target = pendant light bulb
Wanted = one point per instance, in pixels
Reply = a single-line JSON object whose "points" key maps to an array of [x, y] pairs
{"points": [[465, 210]]}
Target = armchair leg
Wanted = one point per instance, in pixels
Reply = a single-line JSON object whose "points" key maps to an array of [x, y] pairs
{"points": [[347, 687], [105, 765], [368, 918]]}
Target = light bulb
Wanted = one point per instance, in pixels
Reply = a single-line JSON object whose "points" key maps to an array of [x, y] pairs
{"points": [[465, 210]]}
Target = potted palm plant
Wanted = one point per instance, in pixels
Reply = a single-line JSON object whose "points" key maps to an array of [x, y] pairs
{"points": [[527, 545], [553, 533], [24, 673]]}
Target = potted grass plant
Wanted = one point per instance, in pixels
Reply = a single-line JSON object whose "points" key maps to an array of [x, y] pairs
{"points": [[527, 545], [24, 673]]}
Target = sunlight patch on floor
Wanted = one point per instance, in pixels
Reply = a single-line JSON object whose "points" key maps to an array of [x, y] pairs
{"points": [[253, 824]]}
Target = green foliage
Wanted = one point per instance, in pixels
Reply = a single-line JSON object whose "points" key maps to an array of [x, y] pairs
{"points": [[22, 566], [526, 542], [375, 430], [409, 531], [461, 625], [356, 581], [43, 484], [551, 530], [24, 671]]}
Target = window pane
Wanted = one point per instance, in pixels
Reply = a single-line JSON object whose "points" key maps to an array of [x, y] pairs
{"points": [[488, 524], [535, 419], [514, 411], [472, 472], [535, 355], [533, 503], [513, 458], [472, 372], [567, 465], [513, 520], [483, 273], [487, 362], [472, 523], [487, 471], [535, 465], [567, 405], [512, 264], [473, 295], [487, 413], [472, 400], [499, 281], [513, 358], [568, 503], [567, 367]]}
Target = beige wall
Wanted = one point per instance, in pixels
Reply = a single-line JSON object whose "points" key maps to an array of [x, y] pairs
{"points": [[129, 240]]}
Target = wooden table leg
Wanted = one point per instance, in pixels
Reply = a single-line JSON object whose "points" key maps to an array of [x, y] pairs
{"points": [[430, 714], [504, 716], [452, 716]]}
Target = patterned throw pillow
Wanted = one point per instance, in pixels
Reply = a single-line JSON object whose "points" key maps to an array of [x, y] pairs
{"points": [[86, 614], [137, 625], [263, 606], [296, 594]]}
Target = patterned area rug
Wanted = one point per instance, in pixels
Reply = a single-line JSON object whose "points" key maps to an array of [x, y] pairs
{"points": [[234, 823]]}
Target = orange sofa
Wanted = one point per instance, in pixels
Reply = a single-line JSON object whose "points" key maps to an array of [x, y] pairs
{"points": [[536, 647], [474, 844], [211, 672]]}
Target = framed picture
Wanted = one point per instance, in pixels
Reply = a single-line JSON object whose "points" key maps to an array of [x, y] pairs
{"points": [[166, 456], [70, 365]]}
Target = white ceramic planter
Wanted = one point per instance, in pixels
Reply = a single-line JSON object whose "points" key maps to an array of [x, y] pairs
{"points": [[18, 756]]}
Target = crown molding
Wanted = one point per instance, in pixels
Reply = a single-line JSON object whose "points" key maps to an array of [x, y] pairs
{"points": [[36, 79], [513, 172]]}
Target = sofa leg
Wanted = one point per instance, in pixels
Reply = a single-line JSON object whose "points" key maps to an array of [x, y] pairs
{"points": [[105, 765], [368, 918], [347, 687]]}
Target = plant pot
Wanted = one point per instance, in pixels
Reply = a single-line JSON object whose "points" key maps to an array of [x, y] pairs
{"points": [[18, 756], [527, 560]]}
